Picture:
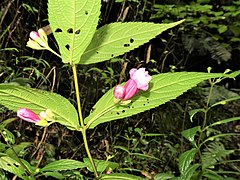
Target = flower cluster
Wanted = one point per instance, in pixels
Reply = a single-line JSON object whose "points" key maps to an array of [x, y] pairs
{"points": [[38, 40], [41, 120], [139, 80]]}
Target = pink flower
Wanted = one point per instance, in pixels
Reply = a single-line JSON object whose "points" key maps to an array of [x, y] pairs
{"points": [[126, 92], [38, 40], [28, 115], [141, 77], [119, 92], [139, 80], [34, 35], [130, 89]]}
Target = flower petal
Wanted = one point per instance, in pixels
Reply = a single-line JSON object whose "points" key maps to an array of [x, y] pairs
{"points": [[141, 77], [28, 115], [119, 92], [130, 89]]}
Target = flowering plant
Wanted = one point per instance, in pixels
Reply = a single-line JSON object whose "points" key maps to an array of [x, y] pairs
{"points": [[139, 80], [79, 44]]}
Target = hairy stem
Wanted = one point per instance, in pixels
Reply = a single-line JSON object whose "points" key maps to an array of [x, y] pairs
{"points": [[84, 134]]}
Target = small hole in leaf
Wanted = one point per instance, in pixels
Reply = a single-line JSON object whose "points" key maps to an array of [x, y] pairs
{"points": [[144, 104], [131, 40], [17, 165], [58, 30], [148, 102], [126, 45], [112, 55], [77, 31], [97, 52], [123, 111], [86, 12], [129, 107], [118, 113], [70, 30], [132, 107], [67, 46], [147, 99]]}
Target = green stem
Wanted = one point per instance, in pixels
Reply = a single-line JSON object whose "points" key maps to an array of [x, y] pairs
{"points": [[88, 151], [74, 67], [52, 51], [84, 128]]}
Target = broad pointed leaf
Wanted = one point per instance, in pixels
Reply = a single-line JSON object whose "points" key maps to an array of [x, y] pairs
{"points": [[185, 160], [163, 88], [73, 24], [188, 174], [15, 97], [189, 134], [115, 39], [63, 164], [12, 166]]}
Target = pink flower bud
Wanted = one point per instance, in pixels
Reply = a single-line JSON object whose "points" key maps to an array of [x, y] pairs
{"points": [[28, 115], [141, 77], [34, 35], [119, 92], [130, 89]]}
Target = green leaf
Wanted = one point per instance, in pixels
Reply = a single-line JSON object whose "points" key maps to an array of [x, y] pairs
{"points": [[73, 24], [12, 166], [15, 97], [2, 147], [223, 102], [8, 135], [163, 88], [211, 175], [55, 174], [195, 111], [189, 134], [115, 39], [101, 165], [17, 148], [6, 122], [63, 164], [218, 136], [222, 28], [120, 176], [213, 153], [225, 121], [189, 172], [185, 160], [163, 176]]}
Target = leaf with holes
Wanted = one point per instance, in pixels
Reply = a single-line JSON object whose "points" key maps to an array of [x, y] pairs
{"points": [[15, 97], [163, 88], [12, 166], [115, 39], [73, 24]]}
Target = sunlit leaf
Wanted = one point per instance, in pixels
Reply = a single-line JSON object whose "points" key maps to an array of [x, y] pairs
{"points": [[163, 88], [73, 24], [115, 39], [15, 97]]}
